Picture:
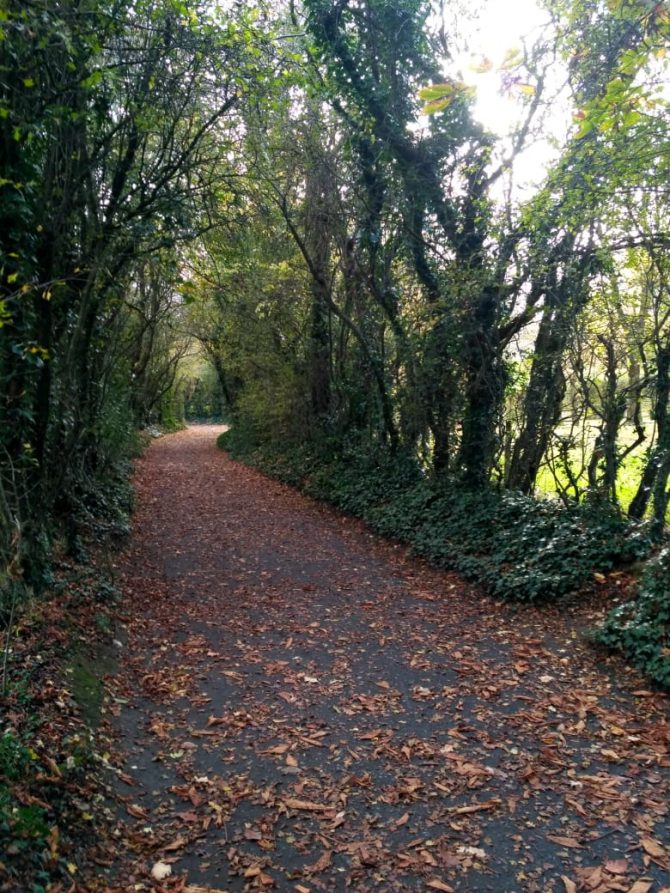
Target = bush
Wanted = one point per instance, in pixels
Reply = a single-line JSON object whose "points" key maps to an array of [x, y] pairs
{"points": [[641, 627]]}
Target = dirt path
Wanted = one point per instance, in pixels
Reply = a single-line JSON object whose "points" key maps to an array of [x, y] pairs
{"points": [[308, 709]]}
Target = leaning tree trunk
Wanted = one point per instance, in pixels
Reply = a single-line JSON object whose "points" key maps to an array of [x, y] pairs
{"points": [[542, 402], [484, 392], [318, 237], [655, 475]]}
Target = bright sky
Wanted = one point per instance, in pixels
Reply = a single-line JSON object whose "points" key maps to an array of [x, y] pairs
{"points": [[498, 30]]}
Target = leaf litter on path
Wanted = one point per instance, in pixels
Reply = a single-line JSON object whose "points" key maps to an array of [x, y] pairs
{"points": [[311, 709]]}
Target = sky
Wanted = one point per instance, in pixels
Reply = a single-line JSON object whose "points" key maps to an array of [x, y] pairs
{"points": [[500, 29]]}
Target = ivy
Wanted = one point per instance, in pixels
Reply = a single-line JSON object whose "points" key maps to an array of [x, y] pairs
{"points": [[641, 627]]}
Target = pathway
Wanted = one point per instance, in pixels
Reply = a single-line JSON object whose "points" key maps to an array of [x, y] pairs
{"points": [[304, 708]]}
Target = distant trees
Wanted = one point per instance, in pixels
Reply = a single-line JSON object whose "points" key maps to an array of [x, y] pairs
{"points": [[109, 163]]}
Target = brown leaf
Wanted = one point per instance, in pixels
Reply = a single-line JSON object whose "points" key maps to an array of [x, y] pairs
{"points": [[570, 842], [641, 886], [187, 816], [653, 848], [476, 807], [195, 888], [371, 736], [616, 866], [570, 886], [321, 864], [306, 805], [437, 884], [137, 811], [278, 749], [176, 844], [252, 834]]}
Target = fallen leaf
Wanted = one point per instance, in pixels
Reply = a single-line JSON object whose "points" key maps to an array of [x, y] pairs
{"points": [[160, 871], [137, 811], [616, 866], [641, 886], [252, 834], [570, 886], [278, 749], [476, 807], [474, 851], [321, 864], [194, 888], [437, 884], [653, 848], [570, 842], [176, 844], [187, 816], [306, 805]]}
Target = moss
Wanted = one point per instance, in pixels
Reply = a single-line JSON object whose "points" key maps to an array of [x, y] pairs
{"points": [[86, 685]]}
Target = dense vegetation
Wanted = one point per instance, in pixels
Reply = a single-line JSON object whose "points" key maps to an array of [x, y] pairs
{"points": [[393, 318]]}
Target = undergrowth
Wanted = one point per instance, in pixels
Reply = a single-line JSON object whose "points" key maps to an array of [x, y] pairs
{"points": [[50, 786], [641, 627], [515, 546]]}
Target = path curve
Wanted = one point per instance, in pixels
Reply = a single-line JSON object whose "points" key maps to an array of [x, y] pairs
{"points": [[302, 707]]}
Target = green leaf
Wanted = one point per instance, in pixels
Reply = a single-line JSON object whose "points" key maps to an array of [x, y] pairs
{"points": [[513, 57], [436, 105], [482, 67], [92, 80], [527, 89], [436, 91]]}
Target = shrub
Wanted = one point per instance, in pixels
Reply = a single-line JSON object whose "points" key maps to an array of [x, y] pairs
{"points": [[641, 627]]}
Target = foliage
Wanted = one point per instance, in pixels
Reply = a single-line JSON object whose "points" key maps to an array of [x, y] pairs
{"points": [[108, 170], [641, 627], [50, 770]]}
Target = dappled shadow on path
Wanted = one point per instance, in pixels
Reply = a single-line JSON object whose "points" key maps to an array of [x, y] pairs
{"points": [[305, 708]]}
